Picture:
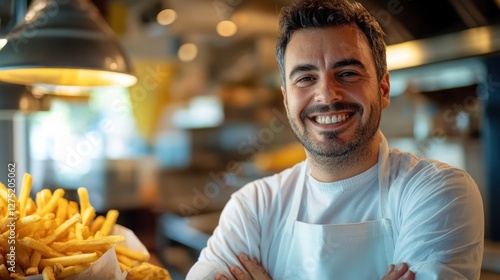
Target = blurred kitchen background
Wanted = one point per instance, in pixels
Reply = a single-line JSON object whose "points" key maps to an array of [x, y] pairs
{"points": [[206, 114]]}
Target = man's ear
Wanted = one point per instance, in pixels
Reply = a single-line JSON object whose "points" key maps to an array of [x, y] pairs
{"points": [[385, 90], [283, 91]]}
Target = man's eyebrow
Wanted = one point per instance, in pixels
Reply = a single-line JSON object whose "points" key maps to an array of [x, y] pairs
{"points": [[310, 67], [301, 68], [348, 62]]}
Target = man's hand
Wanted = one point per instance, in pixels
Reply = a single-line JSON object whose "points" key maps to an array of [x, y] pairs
{"points": [[399, 272], [253, 270]]}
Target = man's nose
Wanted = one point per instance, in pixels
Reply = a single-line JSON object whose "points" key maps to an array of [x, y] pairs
{"points": [[327, 91]]}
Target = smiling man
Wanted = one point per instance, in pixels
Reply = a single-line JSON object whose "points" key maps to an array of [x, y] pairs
{"points": [[354, 209]]}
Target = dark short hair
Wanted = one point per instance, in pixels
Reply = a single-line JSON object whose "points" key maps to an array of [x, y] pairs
{"points": [[330, 13]]}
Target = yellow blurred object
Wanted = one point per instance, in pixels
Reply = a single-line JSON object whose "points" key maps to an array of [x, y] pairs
{"points": [[151, 93], [117, 18], [280, 158]]}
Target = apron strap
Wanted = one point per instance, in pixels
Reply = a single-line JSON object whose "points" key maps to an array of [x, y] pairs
{"points": [[384, 173], [284, 248], [297, 194]]}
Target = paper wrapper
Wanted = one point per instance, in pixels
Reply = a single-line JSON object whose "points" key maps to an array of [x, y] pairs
{"points": [[107, 267]]}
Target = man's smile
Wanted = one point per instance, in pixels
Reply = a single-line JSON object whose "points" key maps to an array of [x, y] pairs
{"points": [[332, 119]]}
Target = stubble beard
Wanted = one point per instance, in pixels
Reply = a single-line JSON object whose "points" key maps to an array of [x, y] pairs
{"points": [[334, 153]]}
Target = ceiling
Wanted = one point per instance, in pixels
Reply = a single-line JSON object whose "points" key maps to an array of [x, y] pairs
{"points": [[411, 20], [402, 20]]}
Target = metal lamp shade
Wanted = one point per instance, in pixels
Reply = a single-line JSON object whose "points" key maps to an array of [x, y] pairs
{"points": [[64, 43]]}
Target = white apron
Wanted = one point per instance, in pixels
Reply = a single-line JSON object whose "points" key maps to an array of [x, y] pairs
{"points": [[340, 251]]}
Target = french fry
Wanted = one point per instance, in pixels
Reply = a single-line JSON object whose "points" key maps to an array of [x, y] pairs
{"points": [[88, 215], [69, 260], [78, 231], [131, 253], [58, 268], [30, 207], [86, 245], [96, 225], [44, 250], [62, 209], [128, 262], [4, 273], [72, 208], [52, 203], [3, 207], [22, 256], [148, 271], [124, 267], [32, 270], [4, 222], [98, 234], [61, 229], [38, 200], [48, 273], [3, 192], [25, 193], [17, 275], [49, 216], [34, 261], [35, 229], [28, 220], [72, 270], [42, 198], [110, 222], [84, 199], [4, 245]]}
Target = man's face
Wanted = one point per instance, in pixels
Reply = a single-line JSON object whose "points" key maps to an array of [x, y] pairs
{"points": [[332, 95]]}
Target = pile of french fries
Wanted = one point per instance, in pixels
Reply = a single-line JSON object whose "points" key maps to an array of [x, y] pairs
{"points": [[59, 238]]}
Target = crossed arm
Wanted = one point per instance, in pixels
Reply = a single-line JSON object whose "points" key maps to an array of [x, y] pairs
{"points": [[251, 269]]}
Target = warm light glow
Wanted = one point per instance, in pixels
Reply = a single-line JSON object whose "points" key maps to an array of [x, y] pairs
{"points": [[403, 56], [35, 8], [39, 92], [3, 42], [62, 90], [481, 40], [226, 28], [166, 17], [188, 52], [471, 42], [67, 77]]}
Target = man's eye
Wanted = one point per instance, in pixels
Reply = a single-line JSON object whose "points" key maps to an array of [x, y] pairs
{"points": [[305, 79], [348, 74]]}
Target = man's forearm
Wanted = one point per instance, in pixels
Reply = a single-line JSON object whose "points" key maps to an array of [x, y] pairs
{"points": [[251, 269]]}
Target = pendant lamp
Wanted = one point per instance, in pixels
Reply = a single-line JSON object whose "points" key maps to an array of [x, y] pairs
{"points": [[64, 43]]}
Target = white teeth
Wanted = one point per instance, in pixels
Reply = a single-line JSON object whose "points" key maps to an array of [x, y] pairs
{"points": [[332, 119]]}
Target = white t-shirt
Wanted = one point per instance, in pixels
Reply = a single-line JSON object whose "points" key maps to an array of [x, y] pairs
{"points": [[436, 212], [333, 199]]}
